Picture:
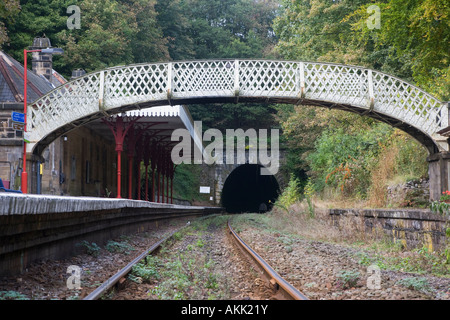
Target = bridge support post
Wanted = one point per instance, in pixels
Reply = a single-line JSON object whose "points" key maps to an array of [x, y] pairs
{"points": [[439, 174]]}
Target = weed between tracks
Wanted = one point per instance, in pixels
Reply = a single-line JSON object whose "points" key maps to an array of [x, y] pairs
{"points": [[185, 267]]}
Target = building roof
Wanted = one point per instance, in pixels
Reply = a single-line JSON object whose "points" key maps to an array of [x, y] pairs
{"points": [[11, 81], [165, 120]]}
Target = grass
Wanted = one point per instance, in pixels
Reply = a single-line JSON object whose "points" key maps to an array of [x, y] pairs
{"points": [[184, 269]]}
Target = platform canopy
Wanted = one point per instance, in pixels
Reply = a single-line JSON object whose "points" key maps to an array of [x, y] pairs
{"points": [[158, 124]]}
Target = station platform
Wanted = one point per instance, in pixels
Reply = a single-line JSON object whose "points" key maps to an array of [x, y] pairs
{"points": [[15, 203], [42, 227]]}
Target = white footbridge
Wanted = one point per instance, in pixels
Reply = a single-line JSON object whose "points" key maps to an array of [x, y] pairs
{"points": [[352, 88]]}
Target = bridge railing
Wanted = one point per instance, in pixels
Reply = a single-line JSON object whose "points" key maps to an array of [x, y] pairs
{"points": [[293, 81]]}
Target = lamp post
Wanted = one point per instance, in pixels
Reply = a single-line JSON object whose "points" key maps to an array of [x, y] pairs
{"points": [[25, 82]]}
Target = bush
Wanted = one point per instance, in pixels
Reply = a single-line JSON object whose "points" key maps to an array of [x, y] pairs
{"points": [[92, 249], [146, 271], [347, 279], [415, 283], [291, 193], [118, 247]]}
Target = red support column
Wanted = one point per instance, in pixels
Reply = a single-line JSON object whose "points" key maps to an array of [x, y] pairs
{"points": [[119, 171], [154, 165], [167, 190], [119, 129], [172, 174], [168, 176], [159, 186], [171, 190], [131, 142], [153, 185], [146, 183], [139, 156], [135, 135], [163, 172], [159, 168], [147, 156]]}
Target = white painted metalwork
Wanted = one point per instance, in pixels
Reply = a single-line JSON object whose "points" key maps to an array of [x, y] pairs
{"points": [[142, 85]]}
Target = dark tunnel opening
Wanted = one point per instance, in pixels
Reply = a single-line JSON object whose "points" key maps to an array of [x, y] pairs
{"points": [[246, 190]]}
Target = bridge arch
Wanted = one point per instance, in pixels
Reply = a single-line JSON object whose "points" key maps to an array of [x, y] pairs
{"points": [[351, 88]]}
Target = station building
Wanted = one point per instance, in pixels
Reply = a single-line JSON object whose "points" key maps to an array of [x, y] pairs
{"points": [[84, 161]]}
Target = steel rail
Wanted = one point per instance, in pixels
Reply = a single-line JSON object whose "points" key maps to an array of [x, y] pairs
{"points": [[108, 284], [280, 284]]}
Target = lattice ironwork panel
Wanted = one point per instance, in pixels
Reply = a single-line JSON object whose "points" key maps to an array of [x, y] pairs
{"points": [[132, 84], [408, 103], [203, 78], [63, 105], [268, 78], [336, 83]]}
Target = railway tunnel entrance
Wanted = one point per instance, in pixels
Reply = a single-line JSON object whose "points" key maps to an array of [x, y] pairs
{"points": [[246, 190]]}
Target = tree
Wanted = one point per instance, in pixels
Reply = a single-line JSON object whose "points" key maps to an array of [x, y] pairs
{"points": [[8, 10], [314, 30], [36, 18], [203, 29], [418, 32], [112, 32]]}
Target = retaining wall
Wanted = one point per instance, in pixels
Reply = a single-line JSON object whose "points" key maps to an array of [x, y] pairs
{"points": [[414, 228]]}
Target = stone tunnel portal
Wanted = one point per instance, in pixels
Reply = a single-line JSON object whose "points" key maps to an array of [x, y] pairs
{"points": [[246, 190]]}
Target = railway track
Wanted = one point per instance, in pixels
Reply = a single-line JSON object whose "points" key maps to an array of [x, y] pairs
{"points": [[116, 278], [282, 290]]}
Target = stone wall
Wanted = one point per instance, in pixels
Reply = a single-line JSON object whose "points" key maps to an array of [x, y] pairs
{"points": [[11, 146], [413, 227], [415, 193]]}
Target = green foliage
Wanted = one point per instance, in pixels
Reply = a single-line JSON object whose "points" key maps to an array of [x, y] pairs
{"points": [[342, 152], [290, 194], [315, 30], [112, 32], [309, 193], [442, 208], [91, 248], [343, 160], [411, 158], [415, 283], [146, 271], [119, 247], [186, 182], [219, 28], [226, 116], [347, 279], [8, 11], [416, 30], [12, 295]]}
